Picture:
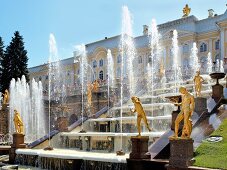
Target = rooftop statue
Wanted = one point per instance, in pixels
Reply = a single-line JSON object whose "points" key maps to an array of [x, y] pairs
{"points": [[19, 126], [187, 108], [6, 97], [140, 114], [198, 80], [186, 10]]}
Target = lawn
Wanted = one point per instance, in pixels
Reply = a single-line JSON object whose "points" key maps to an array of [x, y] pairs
{"points": [[213, 155]]}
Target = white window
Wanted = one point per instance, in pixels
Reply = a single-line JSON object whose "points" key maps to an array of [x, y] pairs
{"points": [[101, 63], [217, 45], [203, 47], [118, 72], [94, 64]]}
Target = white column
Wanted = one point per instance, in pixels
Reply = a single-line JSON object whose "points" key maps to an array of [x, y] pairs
{"points": [[222, 44]]}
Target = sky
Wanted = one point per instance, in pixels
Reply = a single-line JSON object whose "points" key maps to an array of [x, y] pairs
{"points": [[75, 22]]}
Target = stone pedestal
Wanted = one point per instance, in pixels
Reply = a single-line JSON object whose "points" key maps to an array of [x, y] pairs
{"points": [[217, 89], [181, 153], [139, 148], [200, 105], [62, 124], [4, 115], [18, 142], [217, 92]]}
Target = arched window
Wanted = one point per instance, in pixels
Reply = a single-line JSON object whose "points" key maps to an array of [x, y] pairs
{"points": [[101, 63], [101, 75], [217, 45], [94, 64], [140, 60], [119, 59], [203, 47]]}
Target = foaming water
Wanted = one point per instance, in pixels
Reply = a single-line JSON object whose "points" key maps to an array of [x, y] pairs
{"points": [[128, 50], [209, 63], [82, 54], [176, 64], [110, 73], [194, 57]]}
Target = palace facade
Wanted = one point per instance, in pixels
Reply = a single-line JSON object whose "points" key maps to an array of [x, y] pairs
{"points": [[210, 35]]}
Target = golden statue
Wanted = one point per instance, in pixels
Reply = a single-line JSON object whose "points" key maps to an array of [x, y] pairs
{"points": [[89, 93], [6, 97], [198, 80], [19, 126], [187, 108], [186, 10], [140, 114], [96, 86]]}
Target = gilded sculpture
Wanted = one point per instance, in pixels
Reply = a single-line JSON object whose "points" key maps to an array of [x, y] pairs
{"points": [[6, 97], [187, 108], [198, 80], [89, 93], [19, 126], [186, 10], [140, 114], [96, 86]]}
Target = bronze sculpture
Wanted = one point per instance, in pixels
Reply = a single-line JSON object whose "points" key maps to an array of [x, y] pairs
{"points": [[140, 114], [19, 126], [187, 108], [198, 80]]}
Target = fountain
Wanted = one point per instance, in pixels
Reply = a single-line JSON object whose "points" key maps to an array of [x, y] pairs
{"points": [[30, 106], [195, 65], [176, 66], [81, 53], [110, 73], [127, 48], [106, 135], [209, 63]]}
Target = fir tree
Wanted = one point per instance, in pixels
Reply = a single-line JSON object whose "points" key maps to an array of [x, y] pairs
{"points": [[14, 64], [1, 58]]}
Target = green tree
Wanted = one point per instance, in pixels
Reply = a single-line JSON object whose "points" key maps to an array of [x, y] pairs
{"points": [[14, 63], [1, 58]]}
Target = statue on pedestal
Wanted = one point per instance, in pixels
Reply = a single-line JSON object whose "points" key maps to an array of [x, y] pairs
{"points": [[140, 114], [187, 108], [198, 80], [6, 97], [19, 126]]}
